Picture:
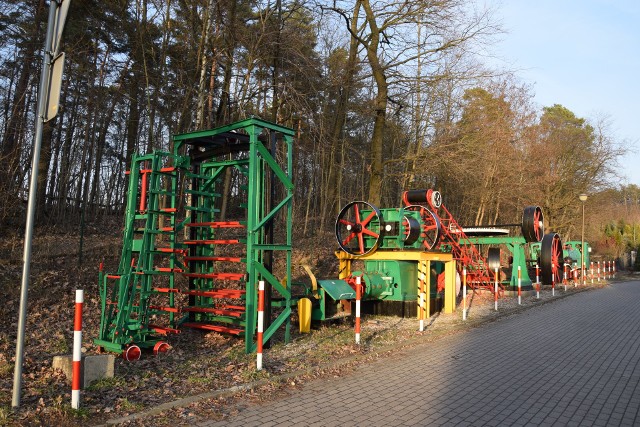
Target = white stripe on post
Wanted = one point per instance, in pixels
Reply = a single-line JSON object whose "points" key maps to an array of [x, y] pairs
{"points": [[358, 297], [519, 285], [77, 351], [495, 292], [537, 282], [464, 293], [422, 314], [260, 324]]}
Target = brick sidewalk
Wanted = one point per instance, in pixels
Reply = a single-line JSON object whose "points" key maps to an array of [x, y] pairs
{"points": [[572, 362]]}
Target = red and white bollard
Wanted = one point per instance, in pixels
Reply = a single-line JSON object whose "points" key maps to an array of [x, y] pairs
{"points": [[575, 277], [464, 293], [553, 283], [591, 271], [77, 351], [423, 300], [613, 271], [537, 282], [598, 271], [566, 277], [260, 324], [519, 285], [495, 291], [358, 297]]}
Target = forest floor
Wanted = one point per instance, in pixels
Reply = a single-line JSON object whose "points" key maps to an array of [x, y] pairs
{"points": [[204, 371]]}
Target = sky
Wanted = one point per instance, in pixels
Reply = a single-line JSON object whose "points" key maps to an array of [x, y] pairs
{"points": [[582, 54]]}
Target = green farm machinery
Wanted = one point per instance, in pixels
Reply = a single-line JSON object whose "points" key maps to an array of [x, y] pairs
{"points": [[418, 251], [199, 236]]}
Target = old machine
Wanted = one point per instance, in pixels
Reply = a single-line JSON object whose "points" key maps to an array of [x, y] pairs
{"points": [[198, 237], [404, 256]]}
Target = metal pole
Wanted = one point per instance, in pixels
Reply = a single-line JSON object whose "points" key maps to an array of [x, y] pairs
{"points": [[77, 351], [537, 282], [519, 285], [31, 206], [582, 248], [260, 331], [495, 292], [464, 293], [358, 297]]}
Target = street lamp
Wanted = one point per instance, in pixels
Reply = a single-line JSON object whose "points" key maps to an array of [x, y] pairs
{"points": [[583, 199]]}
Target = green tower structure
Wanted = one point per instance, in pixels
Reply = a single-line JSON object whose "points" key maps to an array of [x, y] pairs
{"points": [[204, 225]]}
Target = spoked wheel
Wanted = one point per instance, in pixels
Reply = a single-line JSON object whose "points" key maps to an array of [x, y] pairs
{"points": [[358, 228], [551, 262], [532, 224], [431, 227]]}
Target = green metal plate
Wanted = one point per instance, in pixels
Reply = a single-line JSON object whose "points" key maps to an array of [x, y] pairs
{"points": [[337, 289]]}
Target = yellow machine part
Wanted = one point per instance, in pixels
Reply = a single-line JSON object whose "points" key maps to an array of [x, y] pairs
{"points": [[304, 315]]}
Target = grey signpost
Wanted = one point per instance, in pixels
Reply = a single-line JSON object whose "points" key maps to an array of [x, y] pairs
{"points": [[48, 96]]}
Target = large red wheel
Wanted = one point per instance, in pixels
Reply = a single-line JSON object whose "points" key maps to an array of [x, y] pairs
{"points": [[431, 227], [532, 224], [551, 260], [358, 228]]}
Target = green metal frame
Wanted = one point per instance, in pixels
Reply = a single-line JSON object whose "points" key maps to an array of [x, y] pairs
{"points": [[517, 247], [126, 295], [260, 162], [203, 157]]}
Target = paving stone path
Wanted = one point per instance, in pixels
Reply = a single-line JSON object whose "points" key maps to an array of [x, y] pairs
{"points": [[573, 362]]}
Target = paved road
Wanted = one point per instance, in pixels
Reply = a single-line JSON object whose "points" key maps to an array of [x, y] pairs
{"points": [[572, 362]]}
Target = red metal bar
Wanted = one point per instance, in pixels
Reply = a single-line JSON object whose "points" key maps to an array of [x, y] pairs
{"points": [[217, 293], [164, 308], [216, 311], [169, 269], [222, 276], [166, 290], [212, 242], [216, 328], [216, 224], [143, 190], [213, 258], [164, 330]]}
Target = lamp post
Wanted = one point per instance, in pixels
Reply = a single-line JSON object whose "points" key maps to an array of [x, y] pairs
{"points": [[583, 199]]}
